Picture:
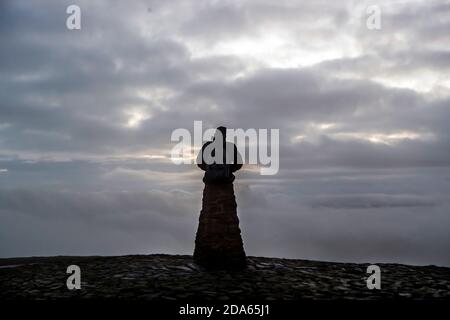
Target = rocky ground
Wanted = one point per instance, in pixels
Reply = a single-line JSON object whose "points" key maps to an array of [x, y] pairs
{"points": [[173, 277]]}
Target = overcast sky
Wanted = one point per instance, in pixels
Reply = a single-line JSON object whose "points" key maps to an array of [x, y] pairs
{"points": [[86, 118]]}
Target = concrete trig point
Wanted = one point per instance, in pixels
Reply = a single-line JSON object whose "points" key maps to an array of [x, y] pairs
{"points": [[218, 243]]}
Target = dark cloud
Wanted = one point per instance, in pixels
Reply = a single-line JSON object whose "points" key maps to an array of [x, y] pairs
{"points": [[154, 221]]}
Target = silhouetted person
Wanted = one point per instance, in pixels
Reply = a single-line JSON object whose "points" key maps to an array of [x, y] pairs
{"points": [[218, 242], [219, 171]]}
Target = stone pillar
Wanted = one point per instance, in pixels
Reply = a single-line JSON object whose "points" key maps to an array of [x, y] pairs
{"points": [[218, 243]]}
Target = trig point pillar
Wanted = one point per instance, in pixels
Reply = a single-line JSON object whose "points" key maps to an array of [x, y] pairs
{"points": [[218, 242]]}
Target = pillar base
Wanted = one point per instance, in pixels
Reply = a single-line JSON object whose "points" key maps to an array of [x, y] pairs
{"points": [[218, 242]]}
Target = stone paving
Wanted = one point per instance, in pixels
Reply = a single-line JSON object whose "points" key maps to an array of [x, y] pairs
{"points": [[174, 277]]}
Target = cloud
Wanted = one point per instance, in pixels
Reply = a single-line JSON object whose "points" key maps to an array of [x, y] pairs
{"points": [[363, 116], [143, 221], [361, 201]]}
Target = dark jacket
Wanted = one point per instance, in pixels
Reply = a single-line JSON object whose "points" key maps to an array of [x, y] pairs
{"points": [[235, 164]]}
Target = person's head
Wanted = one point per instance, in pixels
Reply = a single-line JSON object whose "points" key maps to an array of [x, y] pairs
{"points": [[221, 131]]}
